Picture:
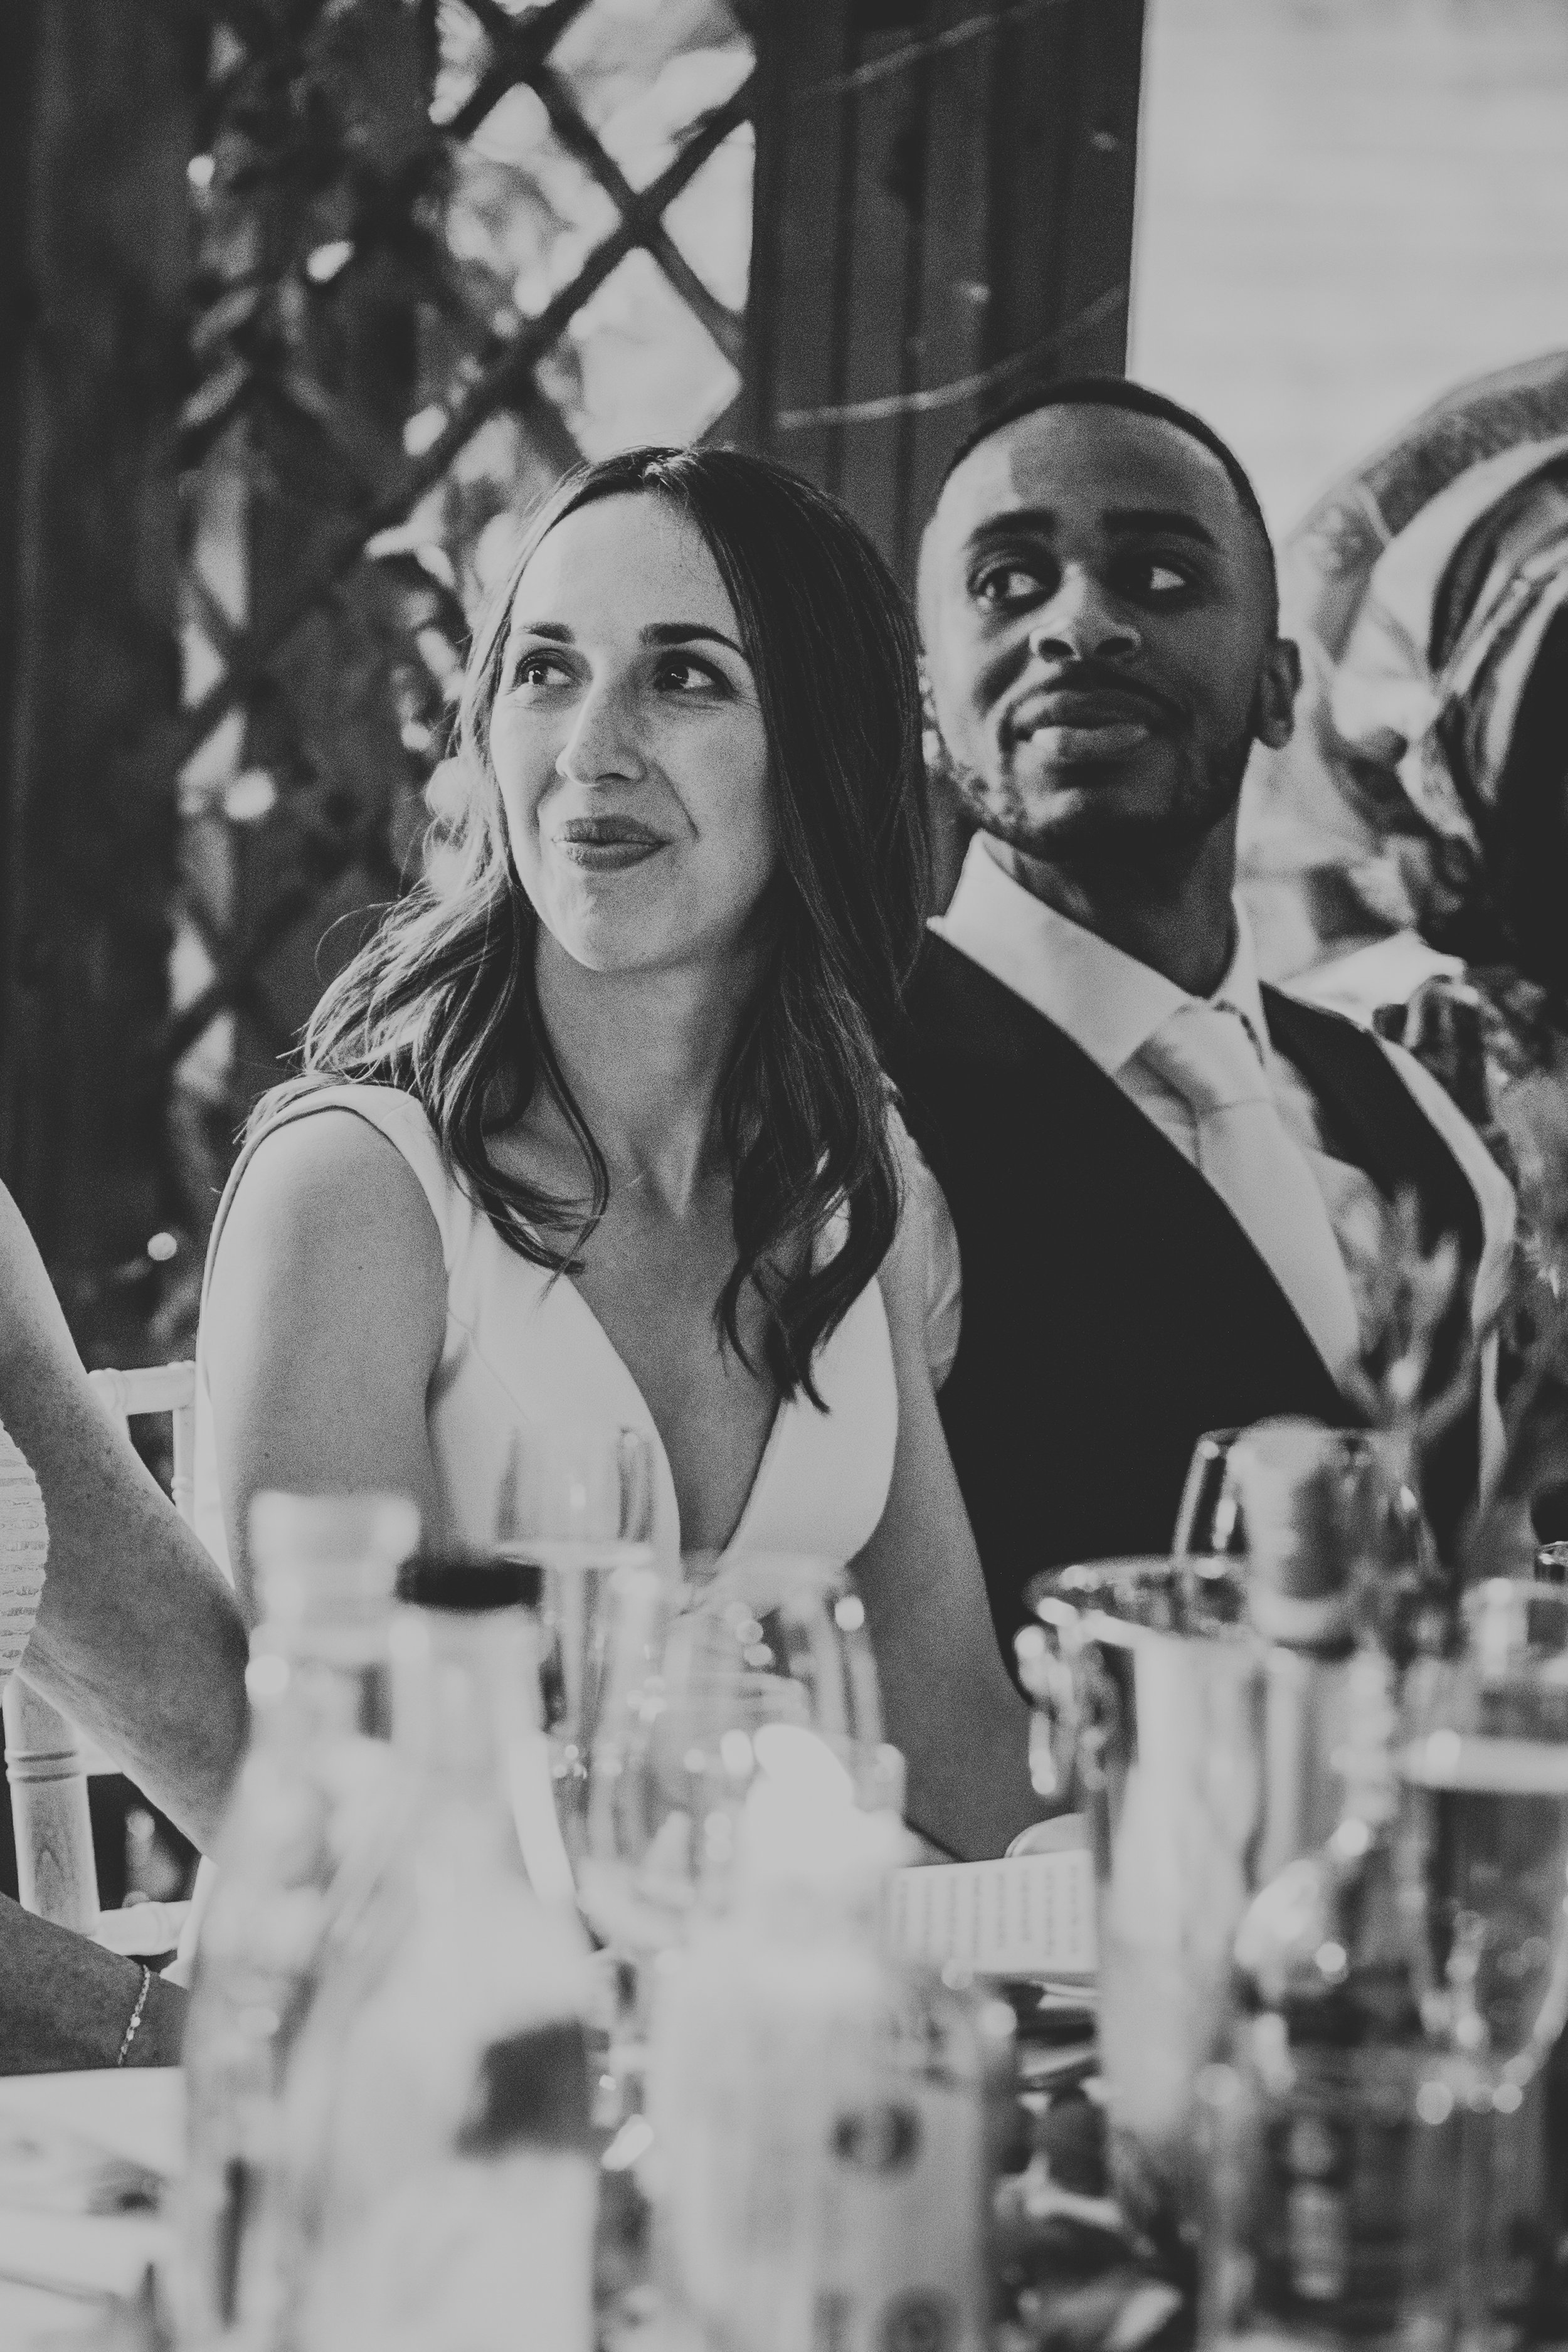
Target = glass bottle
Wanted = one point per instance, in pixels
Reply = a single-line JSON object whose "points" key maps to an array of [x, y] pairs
{"points": [[827, 2122], [442, 2183], [317, 1682]]}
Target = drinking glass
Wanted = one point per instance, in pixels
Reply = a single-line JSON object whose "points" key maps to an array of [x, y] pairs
{"points": [[1369, 1471], [1485, 1860], [1208, 1516], [764, 1667], [1486, 1857], [579, 1502]]}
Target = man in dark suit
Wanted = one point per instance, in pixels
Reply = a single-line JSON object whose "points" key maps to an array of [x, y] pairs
{"points": [[1160, 1173]]}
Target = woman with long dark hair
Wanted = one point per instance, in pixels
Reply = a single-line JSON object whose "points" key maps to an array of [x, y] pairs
{"points": [[596, 1129]]}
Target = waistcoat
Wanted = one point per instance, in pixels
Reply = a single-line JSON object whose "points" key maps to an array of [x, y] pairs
{"points": [[1113, 1308]]}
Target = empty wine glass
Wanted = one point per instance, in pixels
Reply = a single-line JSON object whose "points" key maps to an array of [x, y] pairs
{"points": [[763, 1668], [1369, 1472], [1487, 1851], [578, 1500], [1485, 1857], [1208, 1516]]}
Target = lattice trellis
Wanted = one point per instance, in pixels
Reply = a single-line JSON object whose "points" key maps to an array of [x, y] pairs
{"points": [[440, 248], [416, 222]]}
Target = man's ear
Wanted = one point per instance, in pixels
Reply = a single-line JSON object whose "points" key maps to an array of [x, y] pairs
{"points": [[929, 720], [1278, 684]]}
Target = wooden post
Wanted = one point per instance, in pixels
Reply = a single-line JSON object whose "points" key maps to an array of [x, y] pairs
{"points": [[943, 214], [47, 1773], [92, 206]]}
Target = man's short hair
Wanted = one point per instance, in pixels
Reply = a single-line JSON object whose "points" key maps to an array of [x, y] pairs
{"points": [[1121, 392]]}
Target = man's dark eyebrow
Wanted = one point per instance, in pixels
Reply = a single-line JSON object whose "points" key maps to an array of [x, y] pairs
{"points": [[685, 633], [1172, 520], [1001, 526]]}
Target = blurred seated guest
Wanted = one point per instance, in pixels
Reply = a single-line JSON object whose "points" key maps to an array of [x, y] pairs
{"points": [[596, 1130], [1405, 857], [1161, 1173], [1417, 820], [134, 1635]]}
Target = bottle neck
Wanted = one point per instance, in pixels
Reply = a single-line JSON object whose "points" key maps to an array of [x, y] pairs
{"points": [[465, 1696], [319, 1679]]}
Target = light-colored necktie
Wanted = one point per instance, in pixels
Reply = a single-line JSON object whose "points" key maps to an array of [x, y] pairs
{"points": [[1207, 1053]]}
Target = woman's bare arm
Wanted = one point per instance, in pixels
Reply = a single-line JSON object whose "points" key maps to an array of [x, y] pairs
{"points": [[947, 1699], [138, 1638], [325, 1322]]}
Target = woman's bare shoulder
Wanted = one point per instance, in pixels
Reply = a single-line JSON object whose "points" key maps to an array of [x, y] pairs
{"points": [[329, 1212], [333, 1167]]}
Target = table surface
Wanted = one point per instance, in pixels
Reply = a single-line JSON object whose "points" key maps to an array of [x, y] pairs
{"points": [[66, 2141]]}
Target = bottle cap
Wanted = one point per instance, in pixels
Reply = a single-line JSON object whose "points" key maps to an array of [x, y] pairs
{"points": [[469, 1582], [319, 1555]]}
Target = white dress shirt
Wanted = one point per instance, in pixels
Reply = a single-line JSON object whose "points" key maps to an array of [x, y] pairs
{"points": [[1111, 1005]]}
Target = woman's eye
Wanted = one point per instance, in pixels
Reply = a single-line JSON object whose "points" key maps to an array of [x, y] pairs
{"points": [[536, 669], [685, 677]]}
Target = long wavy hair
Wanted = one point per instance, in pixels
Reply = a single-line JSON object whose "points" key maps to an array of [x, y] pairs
{"points": [[442, 1002]]}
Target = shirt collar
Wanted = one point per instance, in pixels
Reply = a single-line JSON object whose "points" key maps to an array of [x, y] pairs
{"points": [[1107, 1003]]}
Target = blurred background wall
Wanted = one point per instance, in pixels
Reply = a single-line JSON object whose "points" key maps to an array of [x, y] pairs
{"points": [[307, 299], [1344, 208]]}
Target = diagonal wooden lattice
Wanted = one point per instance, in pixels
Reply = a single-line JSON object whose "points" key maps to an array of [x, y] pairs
{"points": [[293, 159]]}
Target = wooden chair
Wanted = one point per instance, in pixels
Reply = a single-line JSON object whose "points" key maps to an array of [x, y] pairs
{"points": [[48, 1759]]}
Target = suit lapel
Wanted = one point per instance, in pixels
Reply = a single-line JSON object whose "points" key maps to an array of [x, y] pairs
{"points": [[1376, 1118]]}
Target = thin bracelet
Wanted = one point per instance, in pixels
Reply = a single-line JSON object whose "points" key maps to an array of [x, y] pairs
{"points": [[135, 2016]]}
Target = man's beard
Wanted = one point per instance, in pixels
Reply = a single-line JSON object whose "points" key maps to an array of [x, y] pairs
{"points": [[1096, 830]]}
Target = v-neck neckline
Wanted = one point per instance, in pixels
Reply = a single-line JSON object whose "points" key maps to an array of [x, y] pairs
{"points": [[771, 1444]]}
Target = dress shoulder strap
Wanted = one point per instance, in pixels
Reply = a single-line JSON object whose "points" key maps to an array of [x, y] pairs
{"points": [[401, 1118]]}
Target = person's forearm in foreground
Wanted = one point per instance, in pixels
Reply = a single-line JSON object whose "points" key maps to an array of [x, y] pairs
{"points": [[66, 2003]]}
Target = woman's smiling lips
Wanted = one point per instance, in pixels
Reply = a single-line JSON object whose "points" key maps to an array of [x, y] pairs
{"points": [[606, 845]]}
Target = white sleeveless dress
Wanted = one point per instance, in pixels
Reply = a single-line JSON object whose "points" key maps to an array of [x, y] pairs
{"points": [[523, 1349]]}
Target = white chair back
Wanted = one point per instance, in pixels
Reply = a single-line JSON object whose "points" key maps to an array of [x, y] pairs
{"points": [[48, 1759]]}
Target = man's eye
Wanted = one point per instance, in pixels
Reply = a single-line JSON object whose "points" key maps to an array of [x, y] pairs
{"points": [[1156, 578], [1006, 583]]}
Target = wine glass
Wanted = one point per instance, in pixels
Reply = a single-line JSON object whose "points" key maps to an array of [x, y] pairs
{"points": [[578, 1501], [1486, 1857], [1208, 1516], [762, 1668], [1485, 1860], [1363, 1476]]}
